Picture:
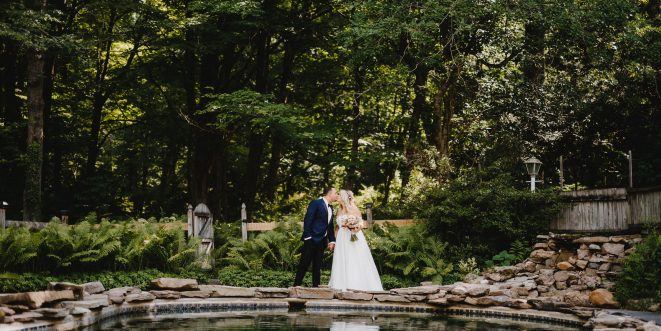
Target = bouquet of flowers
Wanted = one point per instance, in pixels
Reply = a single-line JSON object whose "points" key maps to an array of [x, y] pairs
{"points": [[352, 223]]}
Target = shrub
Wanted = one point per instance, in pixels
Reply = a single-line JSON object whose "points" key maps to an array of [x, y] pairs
{"points": [[86, 247], [409, 252], [641, 271], [481, 219]]}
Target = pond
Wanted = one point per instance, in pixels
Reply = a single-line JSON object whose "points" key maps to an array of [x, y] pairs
{"points": [[315, 320]]}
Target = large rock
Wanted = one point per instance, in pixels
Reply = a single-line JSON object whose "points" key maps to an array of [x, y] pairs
{"points": [[438, 302], [478, 291], [6, 311], [565, 266], [27, 317], [36, 299], [93, 287], [591, 240], [576, 298], [140, 297], [502, 274], [271, 292], [390, 298], [470, 301], [438, 295], [581, 264], [195, 294], [175, 284], [220, 291], [518, 304], [117, 295], [94, 301], [548, 303], [166, 294], [311, 293], [499, 300], [561, 276], [540, 254], [602, 298], [356, 296], [78, 290], [418, 290], [615, 249], [53, 313]]}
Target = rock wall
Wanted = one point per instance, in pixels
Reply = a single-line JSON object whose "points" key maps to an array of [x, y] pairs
{"points": [[580, 271]]}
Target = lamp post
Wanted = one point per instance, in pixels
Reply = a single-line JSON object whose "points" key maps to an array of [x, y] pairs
{"points": [[532, 166]]}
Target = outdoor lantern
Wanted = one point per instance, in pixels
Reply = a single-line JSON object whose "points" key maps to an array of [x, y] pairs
{"points": [[532, 166]]}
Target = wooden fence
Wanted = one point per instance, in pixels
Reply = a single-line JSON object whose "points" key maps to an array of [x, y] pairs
{"points": [[257, 227], [608, 210]]}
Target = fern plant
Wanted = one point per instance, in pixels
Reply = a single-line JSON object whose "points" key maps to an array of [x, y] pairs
{"points": [[409, 252], [18, 247]]}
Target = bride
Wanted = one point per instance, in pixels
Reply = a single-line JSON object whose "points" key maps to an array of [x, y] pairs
{"points": [[353, 265]]}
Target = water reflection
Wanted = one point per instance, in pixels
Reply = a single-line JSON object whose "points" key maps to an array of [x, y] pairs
{"points": [[317, 320]]}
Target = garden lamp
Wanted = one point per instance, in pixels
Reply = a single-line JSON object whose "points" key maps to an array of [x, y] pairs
{"points": [[532, 166]]}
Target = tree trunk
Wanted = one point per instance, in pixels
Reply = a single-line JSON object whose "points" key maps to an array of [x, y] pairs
{"points": [[277, 145], [35, 136], [11, 105], [352, 176], [419, 107]]}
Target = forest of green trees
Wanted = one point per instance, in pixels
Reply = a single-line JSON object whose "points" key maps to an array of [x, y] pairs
{"points": [[128, 108]]}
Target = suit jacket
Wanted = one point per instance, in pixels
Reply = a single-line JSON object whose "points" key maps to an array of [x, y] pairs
{"points": [[316, 224]]}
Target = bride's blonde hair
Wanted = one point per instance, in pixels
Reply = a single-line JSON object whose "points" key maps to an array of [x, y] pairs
{"points": [[346, 200]]}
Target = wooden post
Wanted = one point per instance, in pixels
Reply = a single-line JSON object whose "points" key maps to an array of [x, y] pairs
{"points": [[368, 213], [630, 169], [244, 223], [3, 215], [562, 174], [190, 220], [64, 216]]}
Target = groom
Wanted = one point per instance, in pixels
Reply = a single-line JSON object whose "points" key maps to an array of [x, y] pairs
{"points": [[317, 230]]}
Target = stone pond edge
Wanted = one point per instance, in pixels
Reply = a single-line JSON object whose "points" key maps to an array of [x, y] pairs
{"points": [[164, 306]]}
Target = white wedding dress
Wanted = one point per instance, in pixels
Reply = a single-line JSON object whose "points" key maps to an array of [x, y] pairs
{"points": [[353, 265]]}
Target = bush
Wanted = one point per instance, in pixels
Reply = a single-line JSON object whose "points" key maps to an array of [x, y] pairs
{"points": [[641, 271], [10, 283], [108, 246], [409, 253], [482, 219]]}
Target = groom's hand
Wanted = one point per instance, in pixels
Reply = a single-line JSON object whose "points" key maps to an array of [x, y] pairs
{"points": [[331, 246]]}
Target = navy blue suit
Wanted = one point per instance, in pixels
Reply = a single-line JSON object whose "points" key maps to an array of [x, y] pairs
{"points": [[316, 224], [317, 229]]}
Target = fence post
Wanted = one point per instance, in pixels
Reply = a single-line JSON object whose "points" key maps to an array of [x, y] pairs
{"points": [[630, 157], [64, 216], [189, 214], [3, 219], [244, 223], [368, 213], [562, 173]]}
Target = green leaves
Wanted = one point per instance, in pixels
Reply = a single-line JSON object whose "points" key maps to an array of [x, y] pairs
{"points": [[249, 110], [105, 246], [409, 252], [641, 271]]}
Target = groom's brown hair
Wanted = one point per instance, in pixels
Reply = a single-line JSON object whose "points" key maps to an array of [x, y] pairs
{"points": [[326, 190]]}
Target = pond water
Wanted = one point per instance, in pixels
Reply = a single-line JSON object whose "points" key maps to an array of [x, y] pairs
{"points": [[317, 320]]}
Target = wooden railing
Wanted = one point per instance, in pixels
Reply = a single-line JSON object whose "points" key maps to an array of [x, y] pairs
{"points": [[258, 227]]}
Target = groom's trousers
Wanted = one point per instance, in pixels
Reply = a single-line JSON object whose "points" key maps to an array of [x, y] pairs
{"points": [[310, 252]]}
